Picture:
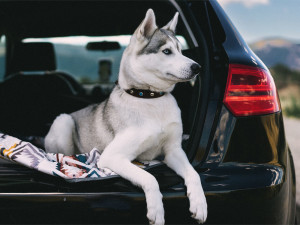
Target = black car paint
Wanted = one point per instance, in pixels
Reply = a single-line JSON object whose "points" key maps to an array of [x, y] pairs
{"points": [[245, 166]]}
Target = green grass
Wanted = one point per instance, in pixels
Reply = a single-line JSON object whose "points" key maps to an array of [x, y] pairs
{"points": [[293, 108], [288, 85]]}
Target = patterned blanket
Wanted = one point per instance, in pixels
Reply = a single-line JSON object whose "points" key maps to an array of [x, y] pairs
{"points": [[74, 168]]}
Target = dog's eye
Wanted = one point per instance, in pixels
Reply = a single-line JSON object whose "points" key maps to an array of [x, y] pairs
{"points": [[167, 51]]}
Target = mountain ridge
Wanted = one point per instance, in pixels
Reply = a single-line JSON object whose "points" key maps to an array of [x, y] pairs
{"points": [[276, 50]]}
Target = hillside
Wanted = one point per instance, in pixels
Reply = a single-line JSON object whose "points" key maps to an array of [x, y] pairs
{"points": [[278, 51]]}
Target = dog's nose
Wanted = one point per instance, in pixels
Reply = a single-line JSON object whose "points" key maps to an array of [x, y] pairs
{"points": [[195, 68]]}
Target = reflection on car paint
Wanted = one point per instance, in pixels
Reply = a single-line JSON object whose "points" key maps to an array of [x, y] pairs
{"points": [[221, 139]]}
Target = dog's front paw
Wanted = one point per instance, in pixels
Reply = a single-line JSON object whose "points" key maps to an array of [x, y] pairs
{"points": [[198, 205], [156, 214]]}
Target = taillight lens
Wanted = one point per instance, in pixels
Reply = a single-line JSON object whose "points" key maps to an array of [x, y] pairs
{"points": [[250, 91]]}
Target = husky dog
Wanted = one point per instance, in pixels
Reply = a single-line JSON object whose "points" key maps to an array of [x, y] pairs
{"points": [[129, 127]]}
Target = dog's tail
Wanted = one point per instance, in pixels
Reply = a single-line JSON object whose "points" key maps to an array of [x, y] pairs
{"points": [[60, 136]]}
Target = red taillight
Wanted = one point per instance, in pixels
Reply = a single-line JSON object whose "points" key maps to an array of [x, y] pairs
{"points": [[250, 91]]}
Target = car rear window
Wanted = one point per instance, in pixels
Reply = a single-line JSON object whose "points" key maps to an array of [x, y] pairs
{"points": [[88, 65]]}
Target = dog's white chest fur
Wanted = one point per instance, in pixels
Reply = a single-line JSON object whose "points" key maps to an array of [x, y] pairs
{"points": [[156, 120], [154, 145]]}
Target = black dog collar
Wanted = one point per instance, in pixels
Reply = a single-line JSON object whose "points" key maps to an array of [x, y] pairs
{"points": [[140, 93]]}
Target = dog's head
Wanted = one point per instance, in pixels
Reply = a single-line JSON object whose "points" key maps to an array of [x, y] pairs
{"points": [[153, 59]]}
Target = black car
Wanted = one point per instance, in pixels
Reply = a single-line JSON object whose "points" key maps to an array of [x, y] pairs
{"points": [[60, 56]]}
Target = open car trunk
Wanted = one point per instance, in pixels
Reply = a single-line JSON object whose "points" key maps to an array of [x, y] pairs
{"points": [[36, 88]]}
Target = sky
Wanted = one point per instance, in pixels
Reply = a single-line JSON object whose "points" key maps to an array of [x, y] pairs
{"points": [[260, 19]]}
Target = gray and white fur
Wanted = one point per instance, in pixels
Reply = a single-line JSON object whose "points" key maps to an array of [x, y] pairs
{"points": [[127, 127]]}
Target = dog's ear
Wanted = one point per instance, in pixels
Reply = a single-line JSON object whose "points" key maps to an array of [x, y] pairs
{"points": [[172, 24], [148, 26]]}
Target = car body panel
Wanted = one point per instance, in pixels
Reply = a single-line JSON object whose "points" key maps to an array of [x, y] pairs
{"points": [[236, 48]]}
